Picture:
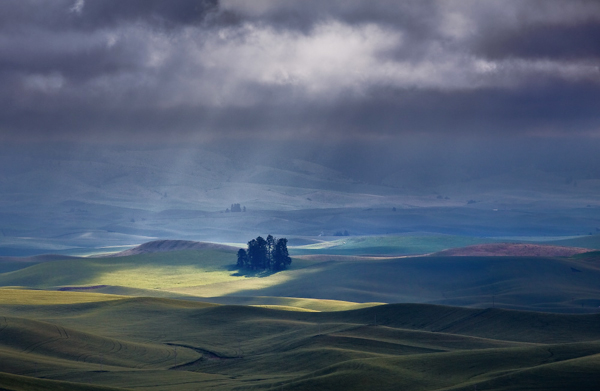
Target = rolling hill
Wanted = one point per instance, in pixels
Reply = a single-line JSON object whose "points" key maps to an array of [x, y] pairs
{"points": [[146, 319], [146, 344], [557, 284], [513, 250]]}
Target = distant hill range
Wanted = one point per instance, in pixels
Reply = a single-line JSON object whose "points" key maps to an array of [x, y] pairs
{"points": [[57, 202]]}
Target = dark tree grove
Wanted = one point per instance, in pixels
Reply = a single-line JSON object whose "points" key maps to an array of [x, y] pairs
{"points": [[242, 257], [237, 208], [264, 254]]}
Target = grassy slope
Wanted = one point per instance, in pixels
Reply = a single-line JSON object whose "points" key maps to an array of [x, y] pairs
{"points": [[147, 271], [291, 302], [588, 241], [548, 284], [388, 245], [413, 346], [24, 342], [12, 382], [391, 245], [31, 297]]}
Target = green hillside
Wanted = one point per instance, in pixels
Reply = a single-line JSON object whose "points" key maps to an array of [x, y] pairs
{"points": [[144, 271], [546, 284], [588, 241], [39, 297], [12, 382], [149, 344], [528, 283], [388, 245]]}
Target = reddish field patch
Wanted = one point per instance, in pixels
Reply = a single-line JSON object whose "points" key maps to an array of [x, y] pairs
{"points": [[512, 249]]}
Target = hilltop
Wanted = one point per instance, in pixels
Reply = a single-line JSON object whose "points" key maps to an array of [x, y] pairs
{"points": [[158, 246]]}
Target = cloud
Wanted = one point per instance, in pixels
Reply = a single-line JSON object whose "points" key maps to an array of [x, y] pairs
{"points": [[208, 69], [77, 6]]}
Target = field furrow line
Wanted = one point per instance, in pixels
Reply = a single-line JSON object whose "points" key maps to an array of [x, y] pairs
{"points": [[462, 320], [32, 347]]}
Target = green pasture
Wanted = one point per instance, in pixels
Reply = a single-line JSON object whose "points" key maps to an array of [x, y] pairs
{"points": [[40, 297], [150, 344], [388, 245], [393, 245], [146, 271], [78, 323], [527, 283], [587, 241]]}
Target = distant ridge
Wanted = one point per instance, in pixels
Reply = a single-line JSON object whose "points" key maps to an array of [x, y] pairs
{"points": [[512, 250], [158, 246]]}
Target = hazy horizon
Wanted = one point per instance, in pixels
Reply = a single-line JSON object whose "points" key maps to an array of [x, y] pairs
{"points": [[119, 111]]}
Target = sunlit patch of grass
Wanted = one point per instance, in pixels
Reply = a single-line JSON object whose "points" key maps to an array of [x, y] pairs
{"points": [[145, 271], [283, 308], [38, 297], [319, 305], [163, 277]]}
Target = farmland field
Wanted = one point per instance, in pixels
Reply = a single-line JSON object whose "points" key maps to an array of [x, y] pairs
{"points": [[175, 315], [145, 344]]}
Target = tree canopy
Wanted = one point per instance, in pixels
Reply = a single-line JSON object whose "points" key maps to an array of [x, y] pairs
{"points": [[261, 254]]}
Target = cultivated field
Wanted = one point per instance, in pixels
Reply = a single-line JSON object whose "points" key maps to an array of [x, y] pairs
{"points": [[179, 316], [149, 344], [208, 273]]}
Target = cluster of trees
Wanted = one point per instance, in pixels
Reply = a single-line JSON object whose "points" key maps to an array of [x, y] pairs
{"points": [[236, 208], [264, 254]]}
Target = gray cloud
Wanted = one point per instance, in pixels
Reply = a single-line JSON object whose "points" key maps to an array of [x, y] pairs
{"points": [[99, 14], [204, 70], [546, 41]]}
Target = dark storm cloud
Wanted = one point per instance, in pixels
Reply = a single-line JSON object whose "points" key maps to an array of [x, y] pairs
{"points": [[204, 69], [72, 56], [99, 13], [417, 17], [557, 110], [552, 41], [94, 14]]}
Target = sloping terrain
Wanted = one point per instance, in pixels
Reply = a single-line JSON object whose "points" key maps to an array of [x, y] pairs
{"points": [[8, 264], [154, 270], [512, 250], [532, 283], [389, 245], [556, 284], [445, 245], [149, 344], [161, 246]]}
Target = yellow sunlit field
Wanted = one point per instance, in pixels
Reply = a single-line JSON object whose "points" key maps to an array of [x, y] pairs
{"points": [[43, 297]]}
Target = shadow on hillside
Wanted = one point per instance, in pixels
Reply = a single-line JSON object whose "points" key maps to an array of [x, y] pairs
{"points": [[250, 273]]}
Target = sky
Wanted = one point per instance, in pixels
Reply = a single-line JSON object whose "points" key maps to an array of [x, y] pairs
{"points": [[417, 97], [367, 74]]}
